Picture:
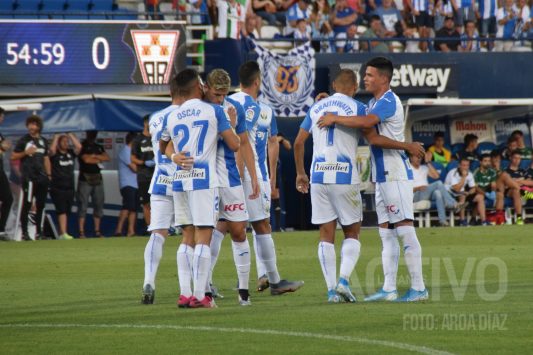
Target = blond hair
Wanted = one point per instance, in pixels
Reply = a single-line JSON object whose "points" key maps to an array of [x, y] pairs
{"points": [[219, 79]]}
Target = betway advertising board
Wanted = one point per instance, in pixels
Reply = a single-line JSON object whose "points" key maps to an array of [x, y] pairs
{"points": [[411, 78]]}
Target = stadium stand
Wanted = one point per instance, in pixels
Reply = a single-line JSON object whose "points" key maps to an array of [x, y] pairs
{"points": [[28, 9], [6, 9], [75, 10]]}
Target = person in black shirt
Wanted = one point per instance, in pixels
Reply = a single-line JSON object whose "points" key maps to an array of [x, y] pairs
{"points": [[6, 199], [469, 151], [32, 150], [448, 31], [90, 182], [62, 159], [142, 155]]}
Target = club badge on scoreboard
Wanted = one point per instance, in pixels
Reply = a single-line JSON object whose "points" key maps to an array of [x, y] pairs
{"points": [[155, 53]]}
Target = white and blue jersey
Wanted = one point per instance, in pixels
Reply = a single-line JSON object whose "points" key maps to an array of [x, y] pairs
{"points": [[194, 128], [334, 147], [161, 183], [252, 111], [389, 164], [227, 170], [266, 128]]}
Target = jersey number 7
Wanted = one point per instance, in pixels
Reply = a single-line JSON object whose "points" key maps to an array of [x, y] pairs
{"points": [[183, 131]]}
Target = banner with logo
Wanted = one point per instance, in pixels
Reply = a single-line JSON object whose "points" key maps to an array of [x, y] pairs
{"points": [[483, 129], [288, 80], [424, 131], [504, 128], [411, 78]]}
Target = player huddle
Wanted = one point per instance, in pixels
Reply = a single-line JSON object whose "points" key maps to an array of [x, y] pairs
{"points": [[211, 178]]}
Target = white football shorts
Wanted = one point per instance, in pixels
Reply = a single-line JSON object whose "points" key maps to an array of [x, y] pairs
{"points": [[162, 212], [331, 201], [198, 207], [232, 204], [394, 201], [259, 208]]}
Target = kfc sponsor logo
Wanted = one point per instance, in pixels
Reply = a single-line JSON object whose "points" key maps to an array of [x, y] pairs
{"points": [[234, 207]]}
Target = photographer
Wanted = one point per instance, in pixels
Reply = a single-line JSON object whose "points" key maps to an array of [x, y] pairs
{"points": [[32, 150]]}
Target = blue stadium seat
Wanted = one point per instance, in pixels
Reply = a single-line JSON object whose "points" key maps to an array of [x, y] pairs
{"points": [[504, 164], [442, 172], [77, 10], [28, 9], [124, 14], [525, 163], [452, 165], [101, 9], [6, 9], [53, 8], [474, 164], [456, 148], [485, 147]]}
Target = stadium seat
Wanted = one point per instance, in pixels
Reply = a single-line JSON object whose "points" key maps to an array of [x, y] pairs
{"points": [[101, 9], [441, 169], [474, 164], [53, 9], [525, 163], [452, 165], [485, 147], [28, 9], [124, 14], [6, 9], [504, 164], [76, 8], [456, 148]]}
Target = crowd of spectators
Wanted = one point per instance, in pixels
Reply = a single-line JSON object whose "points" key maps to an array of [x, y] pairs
{"points": [[484, 180], [349, 25]]}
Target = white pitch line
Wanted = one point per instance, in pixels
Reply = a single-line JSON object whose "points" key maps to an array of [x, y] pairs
{"points": [[385, 343]]}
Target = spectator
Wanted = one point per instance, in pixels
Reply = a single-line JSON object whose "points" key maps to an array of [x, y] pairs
{"points": [[302, 31], [470, 38], [6, 198], [435, 192], [152, 8], [423, 19], [520, 176], [142, 155], [319, 16], [507, 17], [411, 32], [250, 27], [460, 182], [447, 31], [441, 10], [62, 159], [127, 178], [327, 45], [342, 16], [525, 152], [230, 19], [391, 19], [439, 153], [464, 10], [487, 10], [90, 182], [512, 146], [469, 151], [298, 11], [200, 12], [375, 30], [523, 19], [350, 44], [32, 150], [271, 11]]}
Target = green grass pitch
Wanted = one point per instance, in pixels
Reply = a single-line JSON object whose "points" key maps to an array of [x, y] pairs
{"points": [[83, 296]]}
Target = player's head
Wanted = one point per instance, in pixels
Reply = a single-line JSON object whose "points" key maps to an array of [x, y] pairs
{"points": [[189, 85], [519, 136], [90, 136], [484, 161], [2, 114], [470, 141], [512, 143], [516, 158], [495, 159], [250, 76], [438, 139], [217, 86], [464, 164], [378, 74], [62, 142], [345, 82], [34, 124], [129, 137], [146, 121]]}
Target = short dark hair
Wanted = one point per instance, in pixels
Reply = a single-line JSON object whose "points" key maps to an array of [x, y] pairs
{"points": [[2, 111], [374, 18], [464, 159], [495, 153], [36, 120], [483, 156], [130, 136], [517, 133], [516, 152], [438, 135], [346, 76], [469, 138], [185, 80], [91, 135], [146, 118], [248, 72], [383, 65], [174, 86]]}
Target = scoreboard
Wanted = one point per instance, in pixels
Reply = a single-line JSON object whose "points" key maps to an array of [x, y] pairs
{"points": [[90, 52]]}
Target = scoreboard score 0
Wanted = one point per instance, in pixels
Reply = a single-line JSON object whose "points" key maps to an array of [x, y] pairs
{"points": [[91, 52]]}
